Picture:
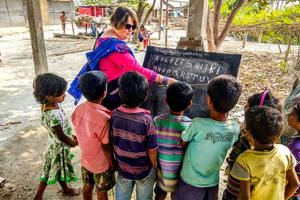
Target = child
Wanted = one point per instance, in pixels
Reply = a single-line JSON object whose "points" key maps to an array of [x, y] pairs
{"points": [[142, 38], [168, 128], [267, 99], [49, 91], [294, 143], [134, 140], [145, 34], [209, 140], [63, 20], [267, 171], [91, 122]]}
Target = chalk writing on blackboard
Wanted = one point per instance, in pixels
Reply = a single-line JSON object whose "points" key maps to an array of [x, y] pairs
{"points": [[195, 68]]}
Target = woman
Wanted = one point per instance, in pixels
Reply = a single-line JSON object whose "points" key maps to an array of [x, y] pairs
{"points": [[113, 57]]}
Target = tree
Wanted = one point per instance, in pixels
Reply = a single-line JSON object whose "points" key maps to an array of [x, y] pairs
{"points": [[214, 37], [97, 2]]}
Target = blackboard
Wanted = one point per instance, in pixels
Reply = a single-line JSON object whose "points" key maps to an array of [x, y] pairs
{"points": [[194, 67]]}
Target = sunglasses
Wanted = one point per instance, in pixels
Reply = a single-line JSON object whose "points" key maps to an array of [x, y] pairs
{"points": [[129, 26]]}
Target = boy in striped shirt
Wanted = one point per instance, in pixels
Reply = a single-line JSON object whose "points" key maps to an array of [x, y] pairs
{"points": [[134, 140], [168, 128]]}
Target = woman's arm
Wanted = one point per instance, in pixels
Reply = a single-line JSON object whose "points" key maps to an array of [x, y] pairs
{"points": [[164, 80], [58, 131], [128, 63]]}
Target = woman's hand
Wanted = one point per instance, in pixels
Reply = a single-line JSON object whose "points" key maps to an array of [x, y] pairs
{"points": [[172, 80]]}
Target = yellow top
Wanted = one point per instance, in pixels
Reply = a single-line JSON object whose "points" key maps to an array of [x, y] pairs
{"points": [[266, 171]]}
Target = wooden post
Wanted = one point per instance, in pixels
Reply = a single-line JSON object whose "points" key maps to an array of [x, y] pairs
{"points": [[160, 19], [37, 36], [167, 23], [72, 23], [197, 19]]}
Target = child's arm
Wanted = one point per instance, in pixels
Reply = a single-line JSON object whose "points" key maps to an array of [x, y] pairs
{"points": [[153, 157], [292, 183], [58, 131], [183, 143], [244, 190], [109, 156]]}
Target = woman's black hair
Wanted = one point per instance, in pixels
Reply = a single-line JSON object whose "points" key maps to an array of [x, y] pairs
{"points": [[48, 84]]}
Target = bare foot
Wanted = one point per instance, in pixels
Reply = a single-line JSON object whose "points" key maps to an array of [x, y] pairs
{"points": [[71, 192]]}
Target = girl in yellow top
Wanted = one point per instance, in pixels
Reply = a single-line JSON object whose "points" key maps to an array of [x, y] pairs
{"points": [[266, 172]]}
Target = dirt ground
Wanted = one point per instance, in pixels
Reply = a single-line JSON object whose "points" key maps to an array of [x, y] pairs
{"points": [[23, 139]]}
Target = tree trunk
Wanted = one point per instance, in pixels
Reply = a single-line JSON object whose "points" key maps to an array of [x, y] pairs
{"points": [[287, 52], [245, 35], [260, 36], [216, 18], [280, 51], [228, 23], [139, 14], [148, 13], [209, 33], [215, 40], [140, 10]]}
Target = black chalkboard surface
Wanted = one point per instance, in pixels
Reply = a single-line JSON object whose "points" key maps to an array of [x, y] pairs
{"points": [[194, 67]]}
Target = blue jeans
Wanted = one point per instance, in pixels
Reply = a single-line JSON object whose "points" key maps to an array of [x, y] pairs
{"points": [[144, 187]]}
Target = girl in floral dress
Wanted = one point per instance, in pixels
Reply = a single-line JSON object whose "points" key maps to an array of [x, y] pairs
{"points": [[49, 91]]}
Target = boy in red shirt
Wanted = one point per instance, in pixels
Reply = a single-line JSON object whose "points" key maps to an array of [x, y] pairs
{"points": [[91, 122]]}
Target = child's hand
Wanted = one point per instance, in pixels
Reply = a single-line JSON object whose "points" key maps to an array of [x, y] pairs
{"points": [[58, 131], [74, 141], [113, 166], [74, 137]]}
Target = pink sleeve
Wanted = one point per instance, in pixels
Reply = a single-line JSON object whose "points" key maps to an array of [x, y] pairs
{"points": [[103, 133], [128, 63]]}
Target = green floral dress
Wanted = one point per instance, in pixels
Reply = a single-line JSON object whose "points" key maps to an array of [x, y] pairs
{"points": [[57, 164]]}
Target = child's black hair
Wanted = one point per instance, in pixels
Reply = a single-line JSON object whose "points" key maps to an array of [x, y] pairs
{"points": [[264, 123], [224, 92], [270, 101], [133, 89], [48, 84], [93, 85], [179, 95]]}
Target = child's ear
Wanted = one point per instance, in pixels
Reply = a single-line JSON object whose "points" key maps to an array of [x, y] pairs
{"points": [[104, 93], [208, 100], [48, 98], [190, 104]]}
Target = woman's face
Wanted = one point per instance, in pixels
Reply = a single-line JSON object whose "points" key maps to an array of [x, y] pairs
{"points": [[125, 31]]}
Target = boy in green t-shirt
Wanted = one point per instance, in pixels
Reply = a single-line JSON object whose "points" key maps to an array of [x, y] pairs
{"points": [[209, 140]]}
